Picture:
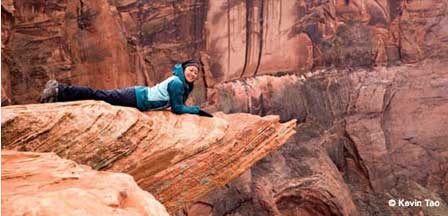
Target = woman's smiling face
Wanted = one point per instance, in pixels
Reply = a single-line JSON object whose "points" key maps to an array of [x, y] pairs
{"points": [[191, 73]]}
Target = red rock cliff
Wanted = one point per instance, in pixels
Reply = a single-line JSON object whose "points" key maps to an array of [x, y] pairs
{"points": [[365, 137], [108, 44]]}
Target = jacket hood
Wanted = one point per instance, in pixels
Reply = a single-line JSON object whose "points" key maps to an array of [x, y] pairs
{"points": [[179, 72]]}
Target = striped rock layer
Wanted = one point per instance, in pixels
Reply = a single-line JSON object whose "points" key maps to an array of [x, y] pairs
{"points": [[178, 158], [44, 184]]}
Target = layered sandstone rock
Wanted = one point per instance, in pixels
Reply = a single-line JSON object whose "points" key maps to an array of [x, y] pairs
{"points": [[5, 99], [98, 43], [59, 39], [7, 24], [178, 158], [109, 44], [367, 136], [44, 184]]}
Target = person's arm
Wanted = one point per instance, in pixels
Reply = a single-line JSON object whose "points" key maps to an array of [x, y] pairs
{"points": [[176, 92]]}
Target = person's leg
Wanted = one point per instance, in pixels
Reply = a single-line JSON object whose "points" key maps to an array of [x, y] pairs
{"points": [[122, 97], [74, 93]]}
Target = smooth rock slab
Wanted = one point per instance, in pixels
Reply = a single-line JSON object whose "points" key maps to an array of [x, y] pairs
{"points": [[44, 184]]}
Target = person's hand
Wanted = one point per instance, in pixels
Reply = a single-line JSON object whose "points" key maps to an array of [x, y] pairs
{"points": [[206, 114]]}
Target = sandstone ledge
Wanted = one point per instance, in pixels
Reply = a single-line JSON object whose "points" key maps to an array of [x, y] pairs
{"points": [[44, 184], [178, 158]]}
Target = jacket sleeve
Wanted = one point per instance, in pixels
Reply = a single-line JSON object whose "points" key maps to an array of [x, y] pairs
{"points": [[176, 92]]}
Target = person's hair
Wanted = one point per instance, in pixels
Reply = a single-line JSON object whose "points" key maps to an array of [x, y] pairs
{"points": [[191, 62]]}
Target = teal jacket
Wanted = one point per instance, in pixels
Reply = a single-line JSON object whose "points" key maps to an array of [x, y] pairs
{"points": [[172, 92]]}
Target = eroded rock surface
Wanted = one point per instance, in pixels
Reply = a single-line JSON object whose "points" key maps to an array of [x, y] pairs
{"points": [[366, 136], [110, 44], [45, 184], [178, 158]]}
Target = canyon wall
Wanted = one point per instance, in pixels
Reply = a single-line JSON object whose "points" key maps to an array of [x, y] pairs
{"points": [[364, 137], [111, 44]]}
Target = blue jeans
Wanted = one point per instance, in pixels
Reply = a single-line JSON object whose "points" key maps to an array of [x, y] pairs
{"points": [[121, 97]]}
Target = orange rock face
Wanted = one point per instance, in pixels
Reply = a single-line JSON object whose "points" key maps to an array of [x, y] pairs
{"points": [[254, 38], [365, 137], [54, 40], [44, 184], [110, 44], [177, 158]]}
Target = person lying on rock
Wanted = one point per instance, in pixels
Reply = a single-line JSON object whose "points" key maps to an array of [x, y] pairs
{"points": [[172, 92]]}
